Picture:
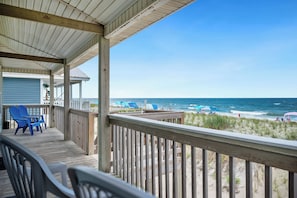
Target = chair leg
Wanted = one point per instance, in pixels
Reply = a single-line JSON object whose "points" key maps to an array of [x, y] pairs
{"points": [[59, 167], [17, 131], [24, 129], [31, 130]]}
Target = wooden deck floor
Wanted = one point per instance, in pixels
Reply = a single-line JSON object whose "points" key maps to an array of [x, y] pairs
{"points": [[50, 145]]}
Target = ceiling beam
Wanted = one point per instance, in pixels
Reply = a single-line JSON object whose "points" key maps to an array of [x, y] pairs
{"points": [[12, 11], [31, 58]]}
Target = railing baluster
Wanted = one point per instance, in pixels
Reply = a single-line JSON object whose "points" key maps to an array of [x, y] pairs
{"points": [[268, 183], [153, 165], [292, 185], [141, 161], [218, 176], [194, 172], [184, 170], [231, 177], [129, 156], [160, 167], [167, 167], [249, 180], [137, 154], [147, 165], [174, 176], [118, 150], [205, 173], [125, 152], [115, 149], [121, 161], [133, 170]]}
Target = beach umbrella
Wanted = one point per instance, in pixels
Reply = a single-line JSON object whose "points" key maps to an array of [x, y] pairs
{"points": [[291, 114], [198, 108]]}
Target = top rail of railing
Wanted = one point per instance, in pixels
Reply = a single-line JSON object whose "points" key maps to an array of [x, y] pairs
{"points": [[269, 151]]}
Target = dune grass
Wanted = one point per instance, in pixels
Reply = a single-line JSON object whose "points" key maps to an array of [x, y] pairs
{"points": [[268, 128]]}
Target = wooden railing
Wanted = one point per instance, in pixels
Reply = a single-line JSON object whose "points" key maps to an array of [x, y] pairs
{"points": [[173, 160], [166, 116], [74, 104], [33, 109], [83, 127], [59, 118]]}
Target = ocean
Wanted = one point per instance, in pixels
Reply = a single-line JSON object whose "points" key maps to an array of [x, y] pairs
{"points": [[268, 108]]}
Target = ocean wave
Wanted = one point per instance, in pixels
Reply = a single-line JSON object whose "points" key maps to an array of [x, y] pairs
{"points": [[277, 103], [254, 113]]}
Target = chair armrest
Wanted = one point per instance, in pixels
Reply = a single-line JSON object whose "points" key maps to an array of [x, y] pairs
{"points": [[59, 167]]}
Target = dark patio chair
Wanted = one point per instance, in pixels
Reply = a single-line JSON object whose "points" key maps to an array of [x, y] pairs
{"points": [[28, 173], [89, 182], [24, 113], [23, 122]]}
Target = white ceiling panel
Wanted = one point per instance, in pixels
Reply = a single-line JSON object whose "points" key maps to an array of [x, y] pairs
{"points": [[119, 20]]}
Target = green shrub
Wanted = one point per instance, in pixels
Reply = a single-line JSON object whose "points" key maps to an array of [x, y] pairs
{"points": [[216, 122]]}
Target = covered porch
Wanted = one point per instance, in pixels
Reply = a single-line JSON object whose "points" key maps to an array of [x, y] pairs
{"points": [[166, 159]]}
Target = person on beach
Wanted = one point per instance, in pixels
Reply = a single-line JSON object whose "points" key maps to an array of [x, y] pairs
{"points": [[288, 119]]}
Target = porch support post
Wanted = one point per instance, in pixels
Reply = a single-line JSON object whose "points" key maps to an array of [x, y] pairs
{"points": [[51, 109], [67, 134], [104, 134]]}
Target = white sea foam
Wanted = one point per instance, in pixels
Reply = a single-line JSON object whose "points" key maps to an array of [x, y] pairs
{"points": [[252, 113]]}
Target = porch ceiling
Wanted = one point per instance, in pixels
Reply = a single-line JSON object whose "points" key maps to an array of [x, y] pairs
{"points": [[68, 30]]}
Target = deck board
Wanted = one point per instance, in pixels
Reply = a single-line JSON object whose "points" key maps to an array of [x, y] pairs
{"points": [[50, 145]]}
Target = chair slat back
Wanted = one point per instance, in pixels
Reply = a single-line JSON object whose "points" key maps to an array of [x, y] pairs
{"points": [[28, 173], [89, 182], [23, 110], [14, 112]]}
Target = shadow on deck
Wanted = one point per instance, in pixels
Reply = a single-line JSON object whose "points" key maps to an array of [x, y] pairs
{"points": [[50, 145]]}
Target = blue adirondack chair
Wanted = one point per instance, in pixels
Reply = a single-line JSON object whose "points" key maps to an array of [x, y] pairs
{"points": [[23, 122], [24, 113]]}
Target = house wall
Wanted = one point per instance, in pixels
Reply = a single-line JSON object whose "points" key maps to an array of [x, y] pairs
{"points": [[21, 91]]}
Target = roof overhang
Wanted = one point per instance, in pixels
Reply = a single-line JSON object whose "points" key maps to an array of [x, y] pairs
{"points": [[42, 35]]}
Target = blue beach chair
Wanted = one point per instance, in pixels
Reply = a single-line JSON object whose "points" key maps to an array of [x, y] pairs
{"points": [[24, 113], [23, 122]]}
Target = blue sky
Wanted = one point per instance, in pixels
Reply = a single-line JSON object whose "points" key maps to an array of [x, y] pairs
{"points": [[212, 49]]}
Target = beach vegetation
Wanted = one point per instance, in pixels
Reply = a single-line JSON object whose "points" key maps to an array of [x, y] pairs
{"points": [[93, 105], [216, 122], [267, 128]]}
